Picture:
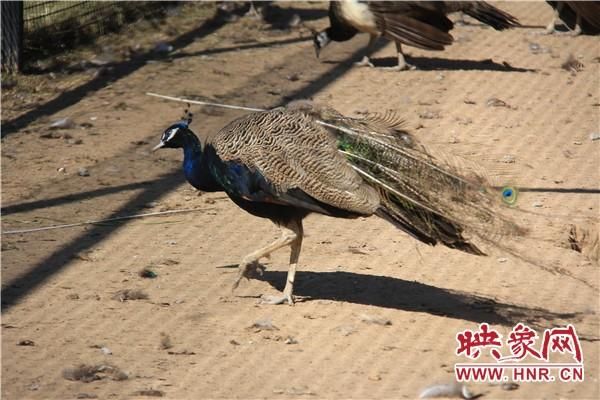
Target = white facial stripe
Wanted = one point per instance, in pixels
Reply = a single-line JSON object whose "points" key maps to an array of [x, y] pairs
{"points": [[172, 133]]}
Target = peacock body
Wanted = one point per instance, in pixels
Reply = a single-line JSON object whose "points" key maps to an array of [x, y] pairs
{"points": [[286, 163], [422, 24]]}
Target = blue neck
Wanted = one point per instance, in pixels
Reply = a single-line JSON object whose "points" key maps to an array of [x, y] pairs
{"points": [[195, 166]]}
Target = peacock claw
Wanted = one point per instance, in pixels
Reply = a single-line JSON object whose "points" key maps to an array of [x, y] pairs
{"points": [[365, 62], [278, 299], [404, 67], [248, 270]]}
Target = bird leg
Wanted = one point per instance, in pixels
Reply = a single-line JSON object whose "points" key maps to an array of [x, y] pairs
{"points": [[366, 62], [253, 12], [551, 28], [577, 30], [250, 266], [295, 227], [402, 64]]}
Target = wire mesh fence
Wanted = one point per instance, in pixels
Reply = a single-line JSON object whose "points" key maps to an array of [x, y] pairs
{"points": [[12, 34], [37, 29]]}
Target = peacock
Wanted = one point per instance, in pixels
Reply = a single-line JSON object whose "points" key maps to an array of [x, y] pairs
{"points": [[285, 163], [578, 16], [422, 24]]}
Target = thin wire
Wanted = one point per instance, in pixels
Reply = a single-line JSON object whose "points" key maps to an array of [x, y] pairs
{"points": [[47, 228], [205, 103]]}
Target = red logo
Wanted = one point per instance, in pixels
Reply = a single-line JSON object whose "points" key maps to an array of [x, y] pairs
{"points": [[525, 346]]}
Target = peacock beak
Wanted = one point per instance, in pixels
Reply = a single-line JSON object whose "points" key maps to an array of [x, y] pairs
{"points": [[158, 146]]}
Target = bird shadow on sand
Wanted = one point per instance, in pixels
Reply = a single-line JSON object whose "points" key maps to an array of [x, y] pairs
{"points": [[449, 64], [388, 292]]}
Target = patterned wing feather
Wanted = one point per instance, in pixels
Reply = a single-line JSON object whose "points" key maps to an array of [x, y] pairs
{"points": [[291, 151]]}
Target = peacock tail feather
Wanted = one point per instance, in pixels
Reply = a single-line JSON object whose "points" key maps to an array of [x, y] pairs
{"points": [[433, 199]]}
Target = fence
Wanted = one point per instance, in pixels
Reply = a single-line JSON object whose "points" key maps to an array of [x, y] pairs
{"points": [[12, 34], [37, 29]]}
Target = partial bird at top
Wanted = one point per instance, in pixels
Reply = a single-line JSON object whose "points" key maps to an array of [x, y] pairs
{"points": [[578, 16], [286, 163], [422, 24]]}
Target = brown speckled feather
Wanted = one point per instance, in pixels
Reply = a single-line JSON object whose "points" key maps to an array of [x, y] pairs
{"points": [[292, 151]]}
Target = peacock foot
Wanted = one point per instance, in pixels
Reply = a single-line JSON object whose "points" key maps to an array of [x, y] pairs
{"points": [[365, 62], [283, 298], [248, 270], [400, 67]]}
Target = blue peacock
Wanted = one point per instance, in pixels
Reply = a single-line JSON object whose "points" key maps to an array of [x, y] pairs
{"points": [[285, 163]]}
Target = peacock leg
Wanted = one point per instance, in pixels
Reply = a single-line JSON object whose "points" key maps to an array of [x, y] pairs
{"points": [[366, 62], [250, 264], [551, 28], [577, 30], [296, 245], [402, 64]]}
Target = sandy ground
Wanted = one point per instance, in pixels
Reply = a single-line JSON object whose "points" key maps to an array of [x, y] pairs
{"points": [[191, 337]]}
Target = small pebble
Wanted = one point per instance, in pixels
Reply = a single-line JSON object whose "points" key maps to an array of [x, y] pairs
{"points": [[83, 172], [430, 115], [577, 143], [452, 390], [63, 123], [163, 48], [33, 386], [495, 102], [290, 340], [346, 330], [148, 273], [595, 136], [374, 319], [295, 21], [149, 393], [508, 159], [538, 204], [263, 325], [509, 386], [26, 342], [502, 259], [106, 351]]}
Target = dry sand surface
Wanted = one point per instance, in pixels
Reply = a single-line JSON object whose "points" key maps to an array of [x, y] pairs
{"points": [[192, 337]]}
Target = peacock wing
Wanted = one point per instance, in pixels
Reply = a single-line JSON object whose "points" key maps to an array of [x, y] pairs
{"points": [[293, 160], [589, 11], [416, 23]]}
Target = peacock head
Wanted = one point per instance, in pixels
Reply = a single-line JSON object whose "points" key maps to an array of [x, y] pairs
{"points": [[174, 137], [320, 40], [178, 135]]}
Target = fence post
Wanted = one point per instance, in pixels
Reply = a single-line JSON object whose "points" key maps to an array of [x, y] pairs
{"points": [[12, 35]]}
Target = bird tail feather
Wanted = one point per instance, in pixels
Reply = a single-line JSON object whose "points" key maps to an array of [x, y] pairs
{"points": [[431, 199], [490, 15], [436, 198]]}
